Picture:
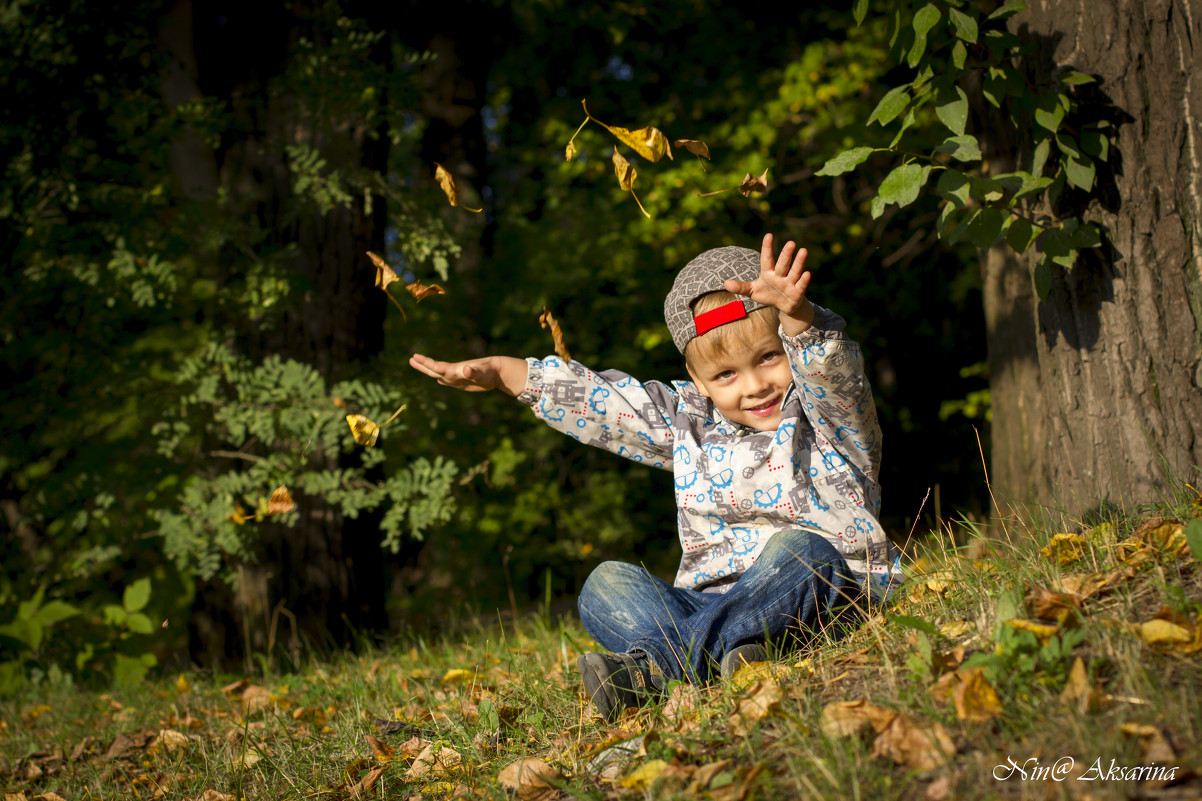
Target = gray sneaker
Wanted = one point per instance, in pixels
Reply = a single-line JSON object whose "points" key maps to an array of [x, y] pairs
{"points": [[616, 682], [735, 658]]}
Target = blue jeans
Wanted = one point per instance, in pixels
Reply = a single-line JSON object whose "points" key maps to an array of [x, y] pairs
{"points": [[797, 584]]}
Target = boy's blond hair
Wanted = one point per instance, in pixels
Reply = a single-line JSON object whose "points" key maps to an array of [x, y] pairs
{"points": [[742, 333]]}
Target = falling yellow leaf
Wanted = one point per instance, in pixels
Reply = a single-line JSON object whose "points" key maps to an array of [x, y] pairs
{"points": [[421, 291], [280, 502], [762, 699], [530, 779], [626, 175], [1064, 548], [694, 146], [649, 143], [547, 320], [751, 184], [642, 777], [1155, 632], [238, 516], [364, 430], [974, 698], [447, 182], [569, 152], [385, 275]]}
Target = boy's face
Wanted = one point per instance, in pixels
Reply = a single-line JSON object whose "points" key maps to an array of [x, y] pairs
{"points": [[747, 385]]}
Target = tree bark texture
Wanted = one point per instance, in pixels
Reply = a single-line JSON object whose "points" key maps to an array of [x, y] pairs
{"points": [[325, 574], [1096, 394]]}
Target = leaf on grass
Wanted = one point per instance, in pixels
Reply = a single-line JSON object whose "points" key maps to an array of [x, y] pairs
{"points": [[626, 175], [1163, 535], [382, 751], [368, 782], [1064, 548], [458, 676], [530, 779], [1154, 745], [421, 291], [385, 275], [169, 740], [214, 795], [751, 184], [762, 699], [682, 708], [845, 718], [695, 146], [1042, 630], [974, 698], [1164, 632], [748, 673], [642, 777], [650, 143], [434, 760], [954, 629], [547, 320], [907, 742], [1049, 605], [449, 187], [280, 501], [1078, 690], [364, 430]]}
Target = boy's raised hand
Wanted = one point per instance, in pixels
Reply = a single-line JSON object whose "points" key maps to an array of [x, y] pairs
{"points": [[475, 375], [782, 283]]}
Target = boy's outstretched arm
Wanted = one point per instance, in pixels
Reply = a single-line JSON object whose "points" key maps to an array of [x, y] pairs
{"points": [[782, 283], [476, 375]]}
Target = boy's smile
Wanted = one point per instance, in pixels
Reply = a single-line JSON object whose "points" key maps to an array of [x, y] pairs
{"points": [[748, 385]]}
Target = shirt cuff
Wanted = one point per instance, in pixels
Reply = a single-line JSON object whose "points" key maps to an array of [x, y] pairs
{"points": [[534, 383]]}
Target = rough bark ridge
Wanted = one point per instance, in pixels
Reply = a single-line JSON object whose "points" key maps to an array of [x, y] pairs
{"points": [[1110, 409]]}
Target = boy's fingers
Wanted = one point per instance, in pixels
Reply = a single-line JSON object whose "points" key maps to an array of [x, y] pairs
{"points": [[767, 257], [736, 287], [799, 264], [786, 253]]}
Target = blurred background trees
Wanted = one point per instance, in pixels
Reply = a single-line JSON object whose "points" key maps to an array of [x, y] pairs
{"points": [[190, 189]]}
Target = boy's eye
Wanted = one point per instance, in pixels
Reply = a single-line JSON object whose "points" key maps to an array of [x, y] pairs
{"points": [[770, 356], [724, 375]]}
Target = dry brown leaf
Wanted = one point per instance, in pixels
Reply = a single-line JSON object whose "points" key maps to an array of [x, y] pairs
{"points": [[940, 789], [682, 708], [421, 291], [1154, 744], [649, 143], [1078, 690], [626, 175], [694, 146], [751, 184], [908, 743], [948, 660], [434, 760], [49, 796], [844, 718], [974, 698], [368, 782], [169, 740], [280, 501], [385, 275], [1050, 605], [762, 699], [547, 320], [530, 779], [382, 751], [213, 795], [449, 187]]}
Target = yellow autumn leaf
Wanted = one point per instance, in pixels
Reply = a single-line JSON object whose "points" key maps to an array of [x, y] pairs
{"points": [[694, 146], [385, 275], [280, 501], [1155, 632], [955, 629], [748, 673], [650, 143], [1064, 548], [421, 291], [364, 430], [434, 760], [762, 699], [626, 175], [1042, 631], [458, 676], [974, 698], [645, 775], [569, 152], [449, 187], [547, 320], [182, 684], [1078, 690], [382, 751]]}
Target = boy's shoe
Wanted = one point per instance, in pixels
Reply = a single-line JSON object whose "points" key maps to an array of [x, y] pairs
{"points": [[736, 658], [616, 682]]}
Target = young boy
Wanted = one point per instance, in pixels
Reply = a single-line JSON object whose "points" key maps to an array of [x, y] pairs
{"points": [[775, 448]]}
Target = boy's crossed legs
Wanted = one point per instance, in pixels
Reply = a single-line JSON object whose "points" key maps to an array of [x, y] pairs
{"points": [[798, 582]]}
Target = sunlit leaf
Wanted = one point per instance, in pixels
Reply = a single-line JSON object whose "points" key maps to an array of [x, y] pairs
{"points": [[1064, 548], [530, 779], [974, 698], [1158, 632], [907, 742], [762, 699], [385, 275], [421, 291], [752, 184], [434, 760], [649, 143], [280, 502], [1043, 631], [642, 777], [626, 175], [458, 676], [449, 187], [570, 151], [382, 751], [695, 146], [547, 320], [364, 430]]}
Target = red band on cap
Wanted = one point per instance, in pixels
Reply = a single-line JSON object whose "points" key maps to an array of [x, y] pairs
{"points": [[720, 316]]}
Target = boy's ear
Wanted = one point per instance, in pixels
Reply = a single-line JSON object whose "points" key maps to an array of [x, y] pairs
{"points": [[696, 382]]}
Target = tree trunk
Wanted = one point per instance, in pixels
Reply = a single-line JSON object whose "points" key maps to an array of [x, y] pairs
{"points": [[1096, 392], [323, 579]]}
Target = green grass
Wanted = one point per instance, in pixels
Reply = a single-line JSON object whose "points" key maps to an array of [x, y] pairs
{"points": [[949, 693]]}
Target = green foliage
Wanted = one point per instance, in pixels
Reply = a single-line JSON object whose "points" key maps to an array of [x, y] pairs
{"points": [[954, 44]]}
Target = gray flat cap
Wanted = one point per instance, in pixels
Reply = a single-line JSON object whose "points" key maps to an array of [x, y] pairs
{"points": [[706, 273]]}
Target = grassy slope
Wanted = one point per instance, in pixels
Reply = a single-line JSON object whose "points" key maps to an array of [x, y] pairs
{"points": [[922, 703]]}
